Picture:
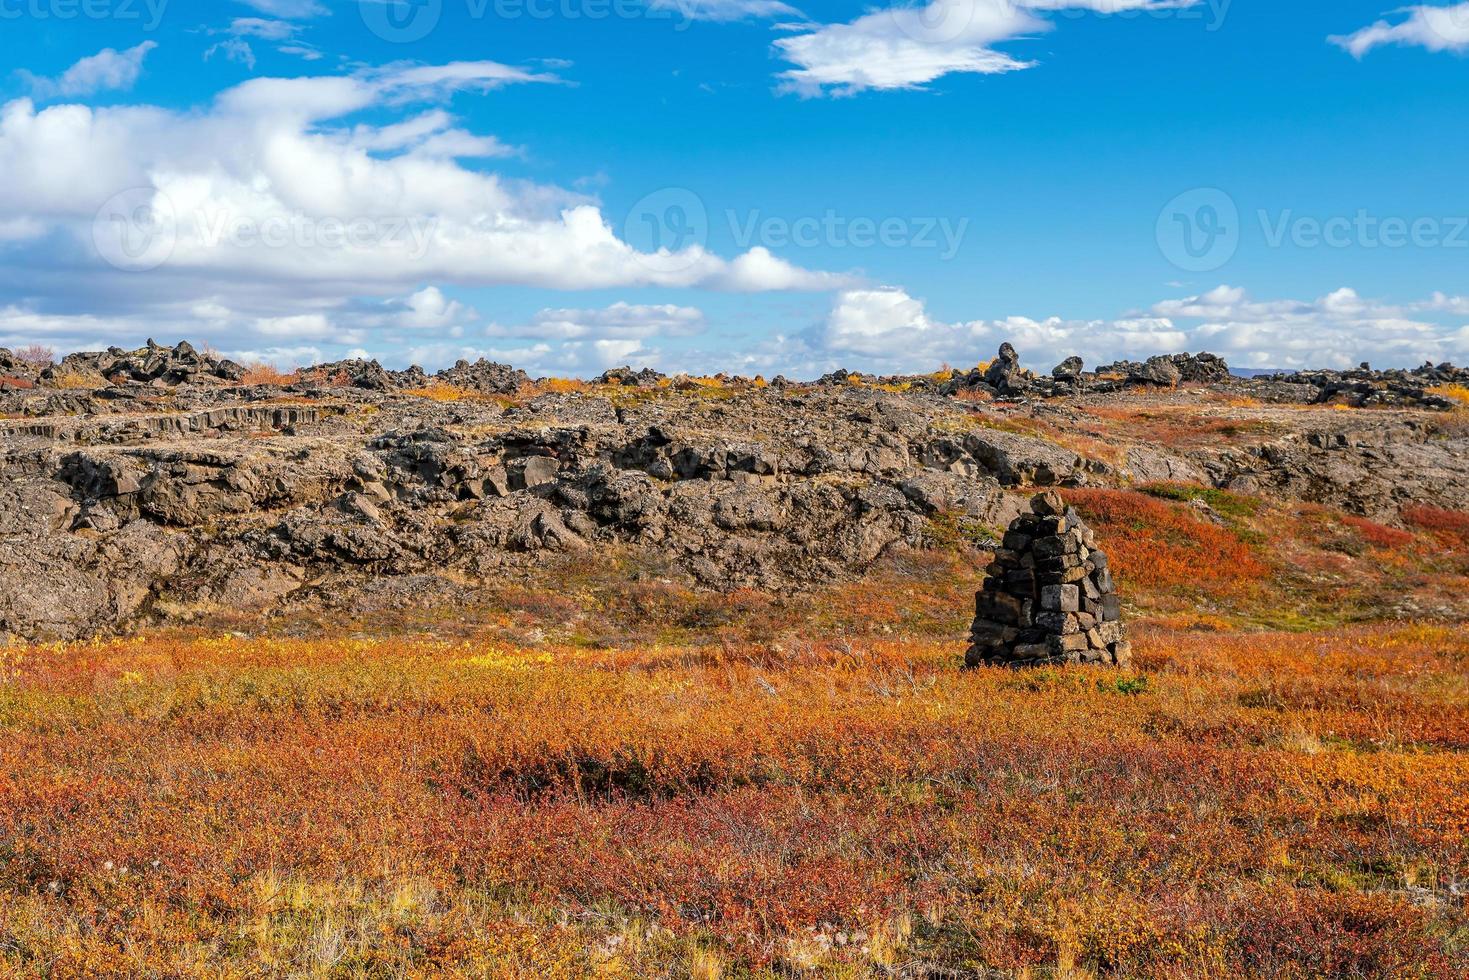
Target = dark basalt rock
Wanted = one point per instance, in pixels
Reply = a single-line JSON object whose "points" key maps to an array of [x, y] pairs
{"points": [[1069, 369], [155, 364], [646, 378], [485, 376], [1005, 374]]}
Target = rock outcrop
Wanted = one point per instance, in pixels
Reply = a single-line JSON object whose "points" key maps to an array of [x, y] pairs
{"points": [[486, 377], [1004, 374], [1048, 596], [138, 500], [153, 363], [1169, 370], [644, 378]]}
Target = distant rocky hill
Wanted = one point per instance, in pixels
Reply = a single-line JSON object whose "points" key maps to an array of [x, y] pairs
{"points": [[138, 484]]}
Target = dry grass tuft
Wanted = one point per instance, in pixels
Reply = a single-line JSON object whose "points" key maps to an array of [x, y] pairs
{"points": [[260, 373], [440, 391]]}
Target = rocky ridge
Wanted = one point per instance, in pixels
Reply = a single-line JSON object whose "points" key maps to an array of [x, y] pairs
{"points": [[145, 499]]}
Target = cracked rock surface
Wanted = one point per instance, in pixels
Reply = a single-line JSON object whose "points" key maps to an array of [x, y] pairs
{"points": [[124, 504]]}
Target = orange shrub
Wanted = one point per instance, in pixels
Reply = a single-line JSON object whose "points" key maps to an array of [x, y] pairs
{"points": [[1154, 544], [440, 391], [1256, 806], [260, 373]]}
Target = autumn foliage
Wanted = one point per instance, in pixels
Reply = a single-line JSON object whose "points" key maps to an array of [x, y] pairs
{"points": [[1257, 805], [610, 773], [1155, 545]]}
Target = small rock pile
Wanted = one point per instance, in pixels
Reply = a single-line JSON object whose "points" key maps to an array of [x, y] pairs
{"points": [[1049, 597]]}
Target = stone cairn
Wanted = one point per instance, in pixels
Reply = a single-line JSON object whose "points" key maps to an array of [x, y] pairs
{"points": [[1048, 598]]}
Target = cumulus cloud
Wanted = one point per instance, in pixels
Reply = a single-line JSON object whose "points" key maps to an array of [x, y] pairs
{"points": [[430, 309], [883, 330], [908, 46], [1442, 303], [1337, 330], [1433, 28], [575, 342], [274, 202], [620, 321], [567, 359], [887, 330], [572, 342], [107, 70]]}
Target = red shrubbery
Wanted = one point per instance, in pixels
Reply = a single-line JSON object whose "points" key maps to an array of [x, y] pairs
{"points": [[1377, 535], [1450, 525], [1257, 806], [1157, 544]]}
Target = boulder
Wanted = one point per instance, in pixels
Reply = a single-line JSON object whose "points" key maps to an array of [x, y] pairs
{"points": [[1004, 373], [1069, 369]]}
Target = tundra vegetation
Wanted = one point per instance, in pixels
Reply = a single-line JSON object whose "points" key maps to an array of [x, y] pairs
{"points": [[608, 773], [371, 674]]}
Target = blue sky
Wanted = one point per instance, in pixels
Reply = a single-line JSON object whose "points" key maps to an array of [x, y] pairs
{"points": [[884, 188]]}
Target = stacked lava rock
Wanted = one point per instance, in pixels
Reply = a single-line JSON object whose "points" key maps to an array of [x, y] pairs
{"points": [[1049, 597]]}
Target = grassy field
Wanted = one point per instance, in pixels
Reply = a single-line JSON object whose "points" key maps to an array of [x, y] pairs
{"points": [[610, 774]]}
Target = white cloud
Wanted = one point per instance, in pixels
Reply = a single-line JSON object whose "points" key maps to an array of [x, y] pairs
{"points": [[886, 330], [301, 51], [1337, 330], [880, 330], [107, 70], [306, 326], [278, 357], [620, 321], [266, 30], [289, 9], [285, 34], [430, 134], [904, 47], [1434, 28], [573, 342], [429, 308], [577, 358], [21, 229], [726, 10], [1442, 303], [233, 49], [275, 204]]}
